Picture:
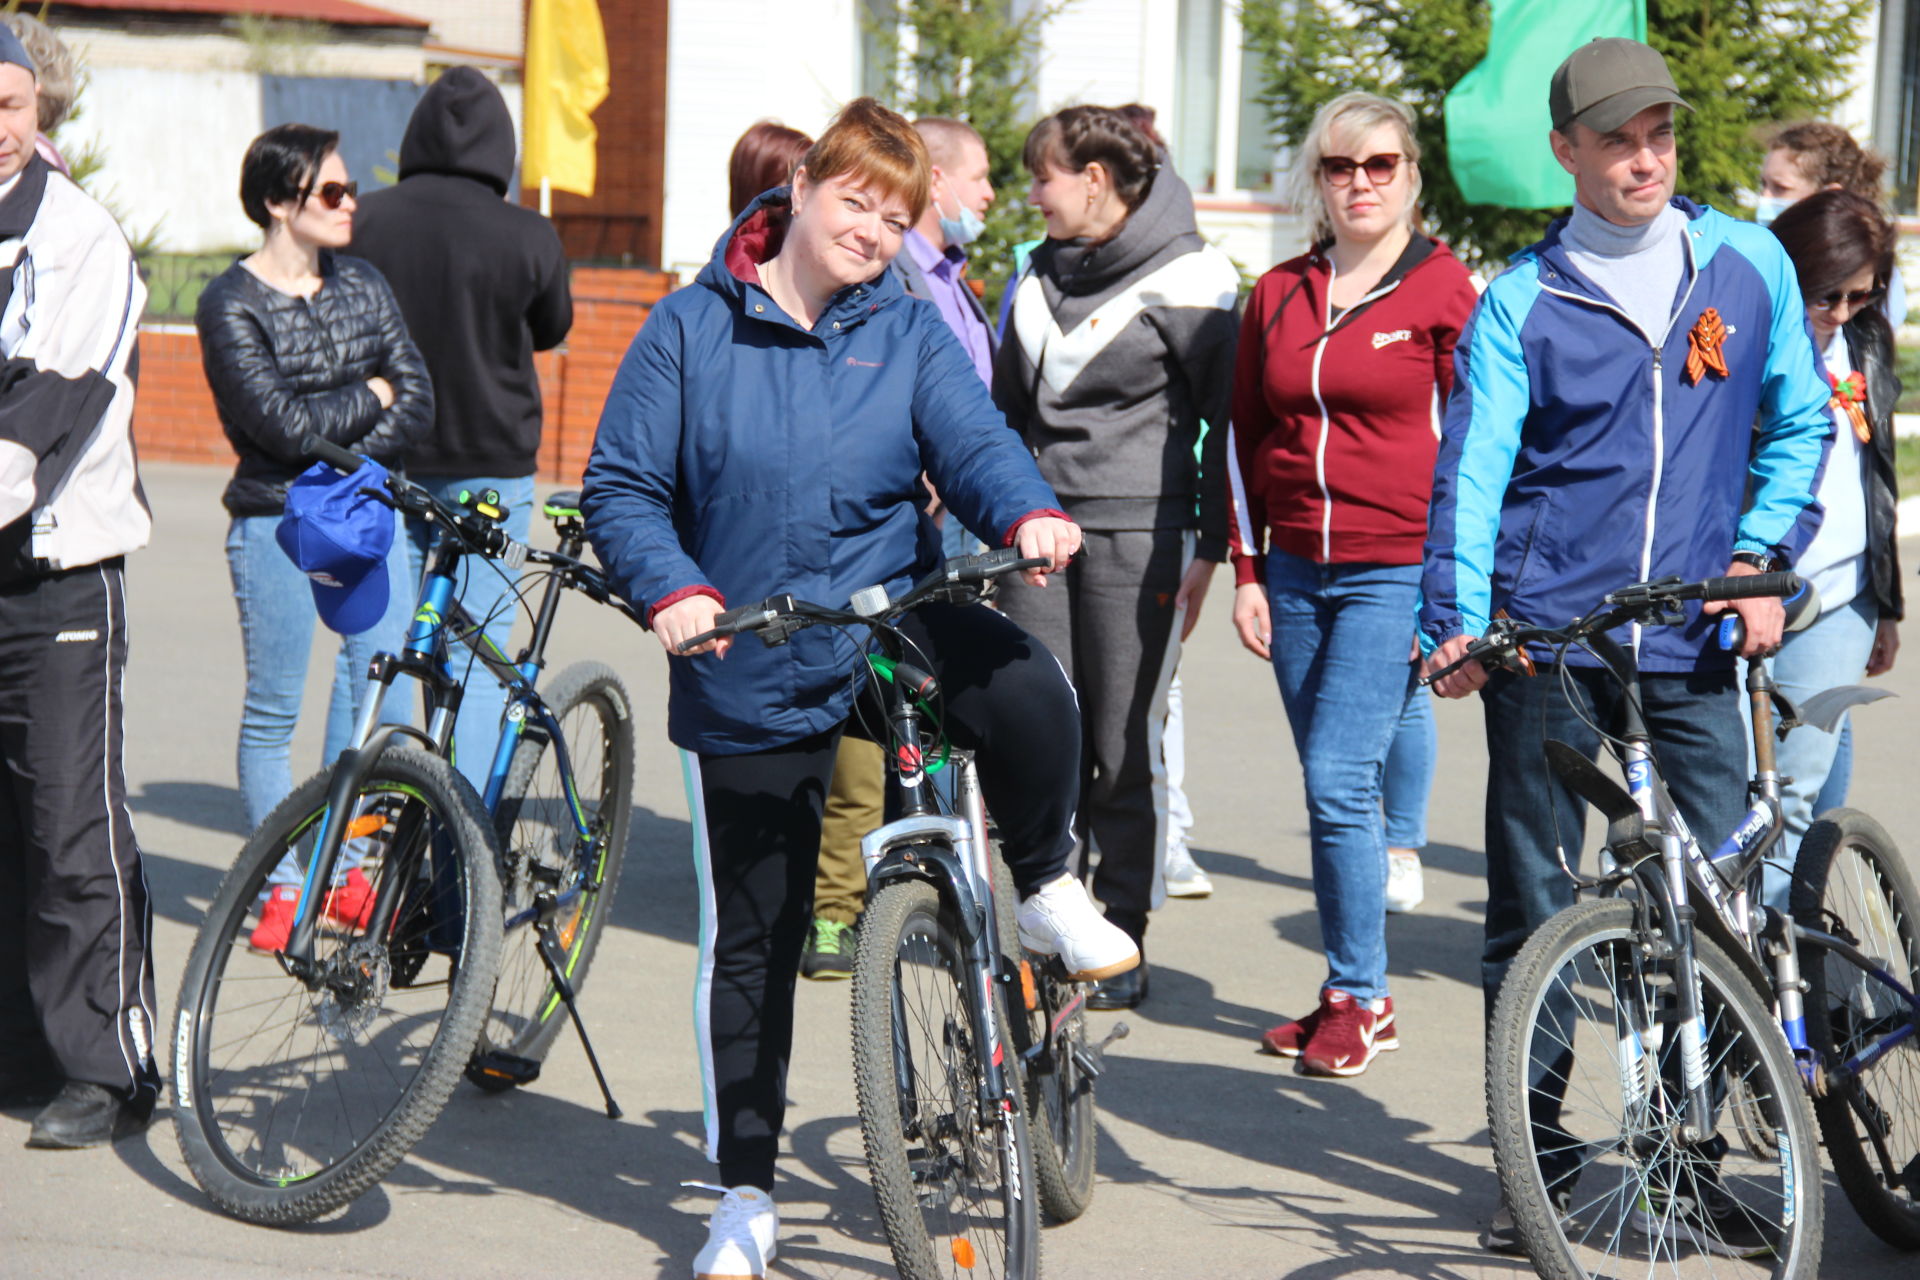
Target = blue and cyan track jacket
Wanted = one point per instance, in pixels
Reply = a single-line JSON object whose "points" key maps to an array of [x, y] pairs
{"points": [[1580, 455]]}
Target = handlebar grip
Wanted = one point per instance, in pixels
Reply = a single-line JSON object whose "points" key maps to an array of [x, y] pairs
{"points": [[1750, 586], [321, 449]]}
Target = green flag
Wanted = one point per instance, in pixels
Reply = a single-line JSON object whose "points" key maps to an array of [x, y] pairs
{"points": [[1497, 115]]}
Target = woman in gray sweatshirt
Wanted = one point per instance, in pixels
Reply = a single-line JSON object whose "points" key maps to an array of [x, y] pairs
{"points": [[1119, 345]]}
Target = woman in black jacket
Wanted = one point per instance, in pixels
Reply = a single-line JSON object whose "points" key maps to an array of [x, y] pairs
{"points": [[298, 341], [1842, 251]]}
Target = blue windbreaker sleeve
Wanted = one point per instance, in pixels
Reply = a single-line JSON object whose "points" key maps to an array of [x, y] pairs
{"points": [[982, 470], [627, 496], [1481, 439], [1796, 424]]}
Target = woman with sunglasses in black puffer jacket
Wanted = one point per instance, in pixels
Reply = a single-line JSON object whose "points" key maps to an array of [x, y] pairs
{"points": [[298, 340]]}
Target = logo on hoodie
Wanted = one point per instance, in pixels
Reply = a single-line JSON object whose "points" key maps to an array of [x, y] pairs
{"points": [[1388, 339]]}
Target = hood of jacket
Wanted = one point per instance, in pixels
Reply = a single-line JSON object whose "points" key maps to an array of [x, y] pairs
{"points": [[1161, 227], [757, 235], [461, 126]]}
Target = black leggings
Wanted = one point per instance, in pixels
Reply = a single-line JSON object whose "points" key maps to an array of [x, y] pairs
{"points": [[757, 839]]}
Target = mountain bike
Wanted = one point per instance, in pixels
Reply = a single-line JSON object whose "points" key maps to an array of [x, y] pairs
{"points": [[301, 1077], [944, 1108], [1648, 1061]]}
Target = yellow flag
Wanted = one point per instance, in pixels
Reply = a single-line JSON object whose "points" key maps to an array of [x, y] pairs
{"points": [[565, 79]]}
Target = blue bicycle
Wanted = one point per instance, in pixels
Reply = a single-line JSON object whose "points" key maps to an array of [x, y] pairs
{"points": [[301, 1077]]}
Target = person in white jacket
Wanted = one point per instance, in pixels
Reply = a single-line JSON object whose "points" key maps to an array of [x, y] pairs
{"points": [[76, 978]]}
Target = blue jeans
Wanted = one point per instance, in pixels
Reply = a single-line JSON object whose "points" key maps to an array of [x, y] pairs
{"points": [[1408, 779], [486, 588], [276, 633], [1341, 635], [1830, 653]]}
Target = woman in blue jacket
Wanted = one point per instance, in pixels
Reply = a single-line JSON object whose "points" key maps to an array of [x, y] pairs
{"points": [[766, 433]]}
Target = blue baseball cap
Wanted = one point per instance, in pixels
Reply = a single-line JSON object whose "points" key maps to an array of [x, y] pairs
{"points": [[339, 536]]}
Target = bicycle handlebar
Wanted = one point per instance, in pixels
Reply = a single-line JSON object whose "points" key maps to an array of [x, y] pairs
{"points": [[777, 617]]}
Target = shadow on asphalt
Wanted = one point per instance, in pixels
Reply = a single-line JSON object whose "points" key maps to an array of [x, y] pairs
{"points": [[179, 889], [194, 804]]}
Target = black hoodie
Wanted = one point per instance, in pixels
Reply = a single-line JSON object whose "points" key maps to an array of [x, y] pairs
{"points": [[482, 283]]}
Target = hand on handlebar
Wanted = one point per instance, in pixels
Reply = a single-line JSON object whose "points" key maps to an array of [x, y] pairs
{"points": [[1765, 617], [684, 619], [1046, 538], [1460, 683]]}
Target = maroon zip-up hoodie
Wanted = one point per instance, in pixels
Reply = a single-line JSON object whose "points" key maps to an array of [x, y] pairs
{"points": [[1336, 418]]}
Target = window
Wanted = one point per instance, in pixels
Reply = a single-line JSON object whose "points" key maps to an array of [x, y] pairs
{"points": [[1219, 126], [875, 17]]}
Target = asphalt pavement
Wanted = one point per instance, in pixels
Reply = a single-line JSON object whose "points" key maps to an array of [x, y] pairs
{"points": [[1214, 1160]]}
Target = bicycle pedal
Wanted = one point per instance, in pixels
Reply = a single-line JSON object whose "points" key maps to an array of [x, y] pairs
{"points": [[496, 1071]]}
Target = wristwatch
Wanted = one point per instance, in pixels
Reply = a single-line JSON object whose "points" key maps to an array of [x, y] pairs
{"points": [[1761, 562]]}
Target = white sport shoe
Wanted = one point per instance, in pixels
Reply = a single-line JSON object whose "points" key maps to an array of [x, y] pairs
{"points": [[742, 1236], [1060, 919], [1183, 875], [1406, 887]]}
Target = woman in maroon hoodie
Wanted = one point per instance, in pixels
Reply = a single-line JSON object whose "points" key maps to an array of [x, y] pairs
{"points": [[1345, 356]]}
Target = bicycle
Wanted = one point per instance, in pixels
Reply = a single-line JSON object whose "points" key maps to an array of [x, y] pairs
{"points": [[1647, 1109], [303, 1076], [944, 1110]]}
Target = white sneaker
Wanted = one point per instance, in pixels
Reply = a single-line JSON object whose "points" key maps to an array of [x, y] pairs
{"points": [[1183, 875], [1406, 887], [1060, 919], [742, 1236]]}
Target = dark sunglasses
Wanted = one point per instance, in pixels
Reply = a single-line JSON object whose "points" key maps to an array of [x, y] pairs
{"points": [[335, 194], [1857, 299], [1338, 170]]}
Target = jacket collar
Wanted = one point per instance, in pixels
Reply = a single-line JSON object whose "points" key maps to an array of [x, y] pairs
{"points": [[22, 203], [1551, 250]]}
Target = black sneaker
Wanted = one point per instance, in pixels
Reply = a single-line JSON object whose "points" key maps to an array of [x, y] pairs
{"points": [[828, 955], [89, 1115], [1502, 1235], [1713, 1221]]}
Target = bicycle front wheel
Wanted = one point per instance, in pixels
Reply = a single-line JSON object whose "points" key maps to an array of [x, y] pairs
{"points": [[951, 1168], [293, 1097], [557, 859], [1849, 881], [1585, 1106]]}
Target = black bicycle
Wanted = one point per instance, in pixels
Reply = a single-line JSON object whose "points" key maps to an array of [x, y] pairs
{"points": [[944, 1109], [301, 1077]]}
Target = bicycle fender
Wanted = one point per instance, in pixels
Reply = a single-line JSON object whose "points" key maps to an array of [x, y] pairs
{"points": [[1824, 709]]}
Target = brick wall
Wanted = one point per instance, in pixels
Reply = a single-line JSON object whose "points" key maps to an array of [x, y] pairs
{"points": [[174, 421]]}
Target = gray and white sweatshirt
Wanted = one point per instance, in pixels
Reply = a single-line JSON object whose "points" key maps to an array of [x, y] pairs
{"points": [[1114, 354]]}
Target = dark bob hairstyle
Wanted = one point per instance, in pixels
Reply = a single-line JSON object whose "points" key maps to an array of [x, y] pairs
{"points": [[764, 158], [281, 166], [1832, 235]]}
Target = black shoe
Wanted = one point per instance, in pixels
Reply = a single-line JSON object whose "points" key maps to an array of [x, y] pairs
{"points": [[1122, 991], [87, 1115]]}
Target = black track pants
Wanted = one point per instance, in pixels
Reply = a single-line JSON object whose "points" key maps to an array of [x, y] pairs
{"points": [[756, 821], [76, 974]]}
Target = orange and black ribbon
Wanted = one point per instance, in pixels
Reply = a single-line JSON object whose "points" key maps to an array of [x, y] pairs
{"points": [[1850, 398], [1704, 343]]}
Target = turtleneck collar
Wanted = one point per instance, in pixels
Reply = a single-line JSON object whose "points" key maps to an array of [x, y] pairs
{"points": [[1591, 233]]}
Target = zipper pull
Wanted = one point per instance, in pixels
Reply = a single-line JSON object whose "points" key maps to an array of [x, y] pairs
{"points": [[1656, 359]]}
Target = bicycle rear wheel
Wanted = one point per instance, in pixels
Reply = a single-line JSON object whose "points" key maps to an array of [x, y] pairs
{"points": [[1849, 881], [1584, 1099], [557, 859], [290, 1101], [951, 1172]]}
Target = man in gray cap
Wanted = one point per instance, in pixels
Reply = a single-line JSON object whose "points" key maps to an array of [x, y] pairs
{"points": [[1600, 433], [76, 976]]}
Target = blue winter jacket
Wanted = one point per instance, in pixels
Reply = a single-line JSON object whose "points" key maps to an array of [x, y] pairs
{"points": [[1578, 457], [740, 455]]}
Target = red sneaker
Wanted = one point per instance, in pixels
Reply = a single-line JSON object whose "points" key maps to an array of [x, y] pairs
{"points": [[351, 903], [276, 919], [1289, 1038], [1345, 1037]]}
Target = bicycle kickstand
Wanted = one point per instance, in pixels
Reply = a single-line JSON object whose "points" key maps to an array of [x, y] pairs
{"points": [[550, 951]]}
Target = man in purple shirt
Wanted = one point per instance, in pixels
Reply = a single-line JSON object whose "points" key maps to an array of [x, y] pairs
{"points": [[935, 254]]}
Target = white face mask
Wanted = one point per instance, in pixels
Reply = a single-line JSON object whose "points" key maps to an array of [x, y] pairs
{"points": [[962, 230], [1767, 208]]}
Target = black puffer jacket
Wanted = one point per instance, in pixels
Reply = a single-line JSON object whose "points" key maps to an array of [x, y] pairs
{"points": [[1870, 339], [283, 367]]}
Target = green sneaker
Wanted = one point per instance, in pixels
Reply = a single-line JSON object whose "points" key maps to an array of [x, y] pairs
{"points": [[828, 955]]}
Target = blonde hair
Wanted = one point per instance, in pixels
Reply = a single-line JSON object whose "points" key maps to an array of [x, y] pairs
{"points": [[53, 65], [1354, 112], [874, 147]]}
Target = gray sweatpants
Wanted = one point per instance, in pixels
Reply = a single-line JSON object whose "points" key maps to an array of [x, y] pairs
{"points": [[1115, 630]]}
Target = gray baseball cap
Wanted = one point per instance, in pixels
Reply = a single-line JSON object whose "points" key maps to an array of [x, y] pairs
{"points": [[11, 50], [1605, 83]]}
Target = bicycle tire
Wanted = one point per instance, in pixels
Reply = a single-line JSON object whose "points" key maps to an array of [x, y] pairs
{"points": [[1061, 1117], [540, 849], [951, 1180], [1623, 1195], [302, 1108], [1850, 881]]}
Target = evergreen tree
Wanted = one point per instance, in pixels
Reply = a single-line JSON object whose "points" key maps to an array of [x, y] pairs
{"points": [[1743, 65], [972, 60]]}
